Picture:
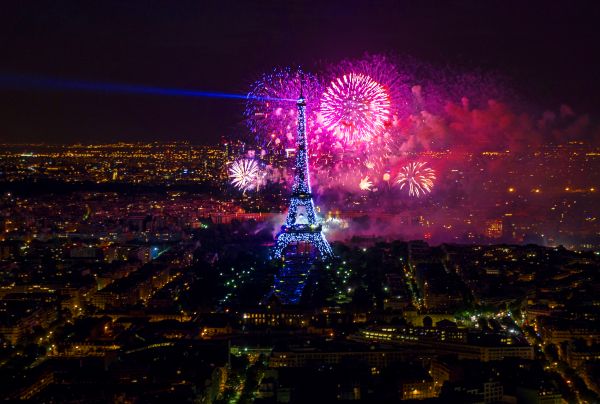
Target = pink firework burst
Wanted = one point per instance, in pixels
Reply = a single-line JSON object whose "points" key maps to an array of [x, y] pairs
{"points": [[417, 178], [382, 69], [355, 108]]}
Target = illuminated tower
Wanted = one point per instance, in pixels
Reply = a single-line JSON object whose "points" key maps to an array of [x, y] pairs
{"points": [[293, 231]]}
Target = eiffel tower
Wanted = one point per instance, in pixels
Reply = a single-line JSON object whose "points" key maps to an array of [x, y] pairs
{"points": [[293, 232]]}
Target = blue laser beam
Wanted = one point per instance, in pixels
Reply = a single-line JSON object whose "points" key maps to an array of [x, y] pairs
{"points": [[18, 82]]}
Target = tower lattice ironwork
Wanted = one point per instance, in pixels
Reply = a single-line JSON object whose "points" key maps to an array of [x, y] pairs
{"points": [[293, 232]]}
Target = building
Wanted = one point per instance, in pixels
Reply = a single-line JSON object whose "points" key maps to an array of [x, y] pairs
{"points": [[493, 228], [301, 357]]}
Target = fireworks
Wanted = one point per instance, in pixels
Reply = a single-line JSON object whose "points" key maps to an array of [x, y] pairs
{"points": [[355, 108], [417, 178], [365, 184], [384, 70], [365, 115], [271, 112], [245, 174]]}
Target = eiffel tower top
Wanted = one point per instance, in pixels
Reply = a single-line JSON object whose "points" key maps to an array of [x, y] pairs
{"points": [[301, 99]]}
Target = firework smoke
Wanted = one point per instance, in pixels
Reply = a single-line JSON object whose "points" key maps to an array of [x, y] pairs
{"points": [[440, 115]]}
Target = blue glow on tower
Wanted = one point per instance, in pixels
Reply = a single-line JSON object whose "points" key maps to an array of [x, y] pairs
{"points": [[293, 232]]}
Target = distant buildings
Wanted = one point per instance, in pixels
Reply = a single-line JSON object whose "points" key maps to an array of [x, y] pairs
{"points": [[155, 292]]}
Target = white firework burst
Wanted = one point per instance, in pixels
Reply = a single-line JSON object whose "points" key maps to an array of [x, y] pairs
{"points": [[365, 184], [417, 178], [244, 174]]}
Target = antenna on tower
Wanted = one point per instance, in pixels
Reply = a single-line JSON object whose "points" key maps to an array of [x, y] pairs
{"points": [[301, 83]]}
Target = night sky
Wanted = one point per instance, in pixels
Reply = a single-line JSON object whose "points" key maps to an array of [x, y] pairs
{"points": [[549, 49]]}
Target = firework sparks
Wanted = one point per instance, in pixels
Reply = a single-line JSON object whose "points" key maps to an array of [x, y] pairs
{"points": [[365, 184], [269, 113], [417, 178], [355, 107], [411, 109], [244, 174], [370, 164]]}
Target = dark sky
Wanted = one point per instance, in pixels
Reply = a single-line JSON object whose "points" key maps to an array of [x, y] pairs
{"points": [[549, 48]]}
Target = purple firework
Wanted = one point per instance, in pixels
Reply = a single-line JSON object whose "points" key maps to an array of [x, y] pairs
{"points": [[271, 112]]}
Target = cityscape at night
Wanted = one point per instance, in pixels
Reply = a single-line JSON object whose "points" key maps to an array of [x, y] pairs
{"points": [[300, 202]]}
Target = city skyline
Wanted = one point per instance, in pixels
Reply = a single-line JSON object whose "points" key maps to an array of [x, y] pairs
{"points": [[474, 191]]}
